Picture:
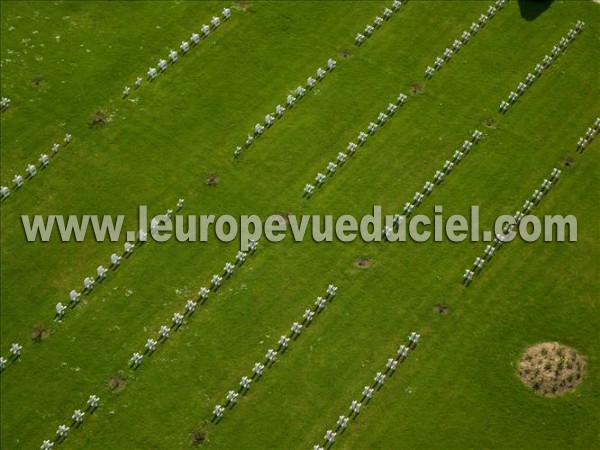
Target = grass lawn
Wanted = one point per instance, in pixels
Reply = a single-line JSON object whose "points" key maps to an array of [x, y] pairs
{"points": [[63, 62]]}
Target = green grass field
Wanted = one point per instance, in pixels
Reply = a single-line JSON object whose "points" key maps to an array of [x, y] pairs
{"points": [[460, 387]]}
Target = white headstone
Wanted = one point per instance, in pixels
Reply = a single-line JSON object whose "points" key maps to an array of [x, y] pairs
{"points": [[74, 296], [62, 431], [31, 170], [164, 331], [101, 272], [18, 181], [60, 309], [93, 401], [88, 283]]}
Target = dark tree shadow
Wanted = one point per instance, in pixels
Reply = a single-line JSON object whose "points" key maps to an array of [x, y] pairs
{"points": [[532, 9]]}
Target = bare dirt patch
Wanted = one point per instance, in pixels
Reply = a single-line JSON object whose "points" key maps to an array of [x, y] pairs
{"points": [[551, 369], [241, 5], [345, 54], [489, 122], [416, 88], [363, 262], [37, 81], [116, 383], [441, 309], [211, 179], [198, 435], [39, 333], [568, 162], [99, 118]]}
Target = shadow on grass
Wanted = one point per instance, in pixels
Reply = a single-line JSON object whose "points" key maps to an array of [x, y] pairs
{"points": [[532, 9]]}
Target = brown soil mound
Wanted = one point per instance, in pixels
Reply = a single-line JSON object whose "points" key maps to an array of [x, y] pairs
{"points": [[551, 369]]}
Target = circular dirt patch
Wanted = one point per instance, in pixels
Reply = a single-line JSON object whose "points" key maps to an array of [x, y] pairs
{"points": [[39, 333], [99, 118], [363, 262], [568, 162], [551, 369], [198, 436], [212, 179], [441, 309], [116, 383], [416, 88], [489, 122], [345, 54]]}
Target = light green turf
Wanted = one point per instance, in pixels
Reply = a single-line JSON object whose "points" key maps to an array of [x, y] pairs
{"points": [[459, 389]]}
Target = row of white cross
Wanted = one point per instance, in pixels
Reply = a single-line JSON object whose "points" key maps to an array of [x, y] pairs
{"points": [[382, 118], [368, 391], [540, 67], [583, 141], [438, 177], [32, 169], [184, 47], [15, 353], [101, 272], [77, 419], [115, 260], [271, 355], [378, 22], [300, 91], [332, 166], [464, 39], [500, 238], [151, 344], [190, 306], [290, 101]]}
